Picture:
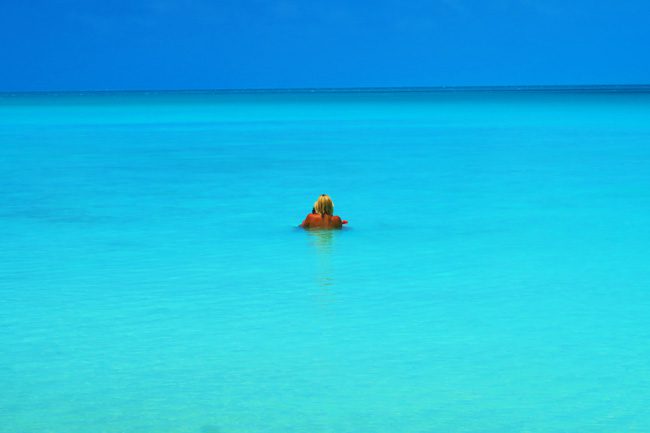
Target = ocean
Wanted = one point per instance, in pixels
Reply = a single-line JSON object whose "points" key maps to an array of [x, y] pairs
{"points": [[494, 275]]}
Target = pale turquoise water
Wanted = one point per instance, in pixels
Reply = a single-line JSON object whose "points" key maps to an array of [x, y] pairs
{"points": [[494, 276]]}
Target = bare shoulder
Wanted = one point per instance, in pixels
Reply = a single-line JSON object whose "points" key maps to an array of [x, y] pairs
{"points": [[305, 223]]}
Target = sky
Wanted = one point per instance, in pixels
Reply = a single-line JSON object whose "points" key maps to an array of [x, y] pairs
{"points": [[58, 45]]}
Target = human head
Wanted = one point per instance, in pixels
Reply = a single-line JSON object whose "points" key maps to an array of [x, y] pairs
{"points": [[324, 205]]}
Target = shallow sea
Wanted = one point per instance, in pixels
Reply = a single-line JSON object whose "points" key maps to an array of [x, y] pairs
{"points": [[494, 276]]}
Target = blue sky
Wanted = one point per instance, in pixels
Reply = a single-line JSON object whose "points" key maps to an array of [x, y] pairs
{"points": [[202, 44]]}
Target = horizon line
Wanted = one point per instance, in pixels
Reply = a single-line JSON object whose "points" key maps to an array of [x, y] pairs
{"points": [[367, 89]]}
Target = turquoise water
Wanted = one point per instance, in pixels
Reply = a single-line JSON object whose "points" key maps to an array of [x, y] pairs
{"points": [[493, 278]]}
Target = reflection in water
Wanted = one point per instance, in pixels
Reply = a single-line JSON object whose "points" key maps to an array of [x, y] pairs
{"points": [[323, 241]]}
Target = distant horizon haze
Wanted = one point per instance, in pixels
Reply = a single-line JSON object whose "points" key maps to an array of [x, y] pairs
{"points": [[433, 89]]}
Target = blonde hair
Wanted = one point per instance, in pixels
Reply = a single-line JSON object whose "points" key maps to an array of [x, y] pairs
{"points": [[324, 205]]}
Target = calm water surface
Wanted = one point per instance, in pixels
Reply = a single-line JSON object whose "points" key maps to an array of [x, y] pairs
{"points": [[494, 276]]}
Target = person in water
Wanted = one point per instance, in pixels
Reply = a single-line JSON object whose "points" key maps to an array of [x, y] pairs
{"points": [[322, 215]]}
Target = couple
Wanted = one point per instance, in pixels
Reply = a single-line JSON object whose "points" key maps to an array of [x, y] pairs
{"points": [[322, 215]]}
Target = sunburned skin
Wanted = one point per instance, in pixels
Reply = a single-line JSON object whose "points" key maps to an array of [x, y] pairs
{"points": [[318, 221]]}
